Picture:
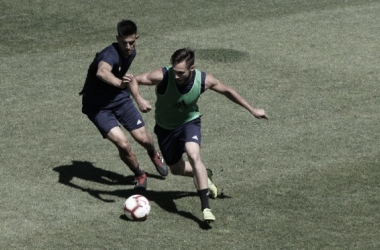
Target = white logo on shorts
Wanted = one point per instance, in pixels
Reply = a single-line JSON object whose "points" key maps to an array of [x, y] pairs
{"points": [[138, 122], [195, 137]]}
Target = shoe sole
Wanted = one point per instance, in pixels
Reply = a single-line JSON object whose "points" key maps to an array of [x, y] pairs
{"points": [[209, 219]]}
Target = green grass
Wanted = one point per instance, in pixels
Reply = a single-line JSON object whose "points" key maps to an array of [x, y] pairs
{"points": [[307, 179]]}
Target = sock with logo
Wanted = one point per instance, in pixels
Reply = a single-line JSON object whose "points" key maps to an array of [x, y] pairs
{"points": [[203, 194]]}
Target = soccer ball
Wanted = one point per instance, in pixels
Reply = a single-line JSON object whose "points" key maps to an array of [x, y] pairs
{"points": [[136, 207]]}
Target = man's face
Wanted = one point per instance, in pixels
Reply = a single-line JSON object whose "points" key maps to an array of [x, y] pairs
{"points": [[182, 73], [127, 44]]}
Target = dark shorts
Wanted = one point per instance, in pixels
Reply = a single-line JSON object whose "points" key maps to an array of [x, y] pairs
{"points": [[125, 114], [172, 142]]}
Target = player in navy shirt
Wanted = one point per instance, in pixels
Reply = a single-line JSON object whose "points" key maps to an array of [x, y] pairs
{"points": [[100, 94], [107, 103]]}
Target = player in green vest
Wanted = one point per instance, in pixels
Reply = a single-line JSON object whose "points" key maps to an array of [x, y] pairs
{"points": [[178, 122]]}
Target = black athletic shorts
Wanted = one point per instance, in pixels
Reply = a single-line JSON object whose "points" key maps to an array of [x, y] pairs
{"points": [[172, 142], [125, 114]]}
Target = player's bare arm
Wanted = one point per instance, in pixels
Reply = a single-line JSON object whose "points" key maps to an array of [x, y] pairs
{"points": [[150, 78], [104, 73], [144, 105], [216, 85]]}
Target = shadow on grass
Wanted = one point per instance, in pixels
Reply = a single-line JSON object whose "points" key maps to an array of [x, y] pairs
{"points": [[87, 171]]}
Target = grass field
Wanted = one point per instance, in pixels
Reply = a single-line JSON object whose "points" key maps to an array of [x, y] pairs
{"points": [[307, 179]]}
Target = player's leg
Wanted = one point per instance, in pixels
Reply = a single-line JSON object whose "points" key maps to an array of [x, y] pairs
{"points": [[131, 119], [142, 137], [172, 144], [108, 126], [192, 134], [200, 178], [145, 139], [182, 168], [205, 187], [119, 139], [198, 168]]}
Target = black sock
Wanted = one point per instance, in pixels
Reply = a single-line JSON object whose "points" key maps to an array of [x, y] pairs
{"points": [[203, 194], [137, 171], [151, 153]]}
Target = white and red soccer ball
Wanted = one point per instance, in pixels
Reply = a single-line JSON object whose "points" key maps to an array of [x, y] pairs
{"points": [[137, 207]]}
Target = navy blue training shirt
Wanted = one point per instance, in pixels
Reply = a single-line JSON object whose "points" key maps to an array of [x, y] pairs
{"points": [[98, 94]]}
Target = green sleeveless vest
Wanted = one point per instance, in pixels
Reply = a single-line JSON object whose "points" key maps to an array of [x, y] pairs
{"points": [[174, 109]]}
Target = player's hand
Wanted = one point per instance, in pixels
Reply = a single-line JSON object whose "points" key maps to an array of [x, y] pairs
{"points": [[259, 114], [144, 105], [127, 78]]}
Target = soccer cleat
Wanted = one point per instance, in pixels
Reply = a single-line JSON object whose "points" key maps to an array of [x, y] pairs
{"points": [[160, 164], [208, 216], [209, 173], [213, 190], [141, 182]]}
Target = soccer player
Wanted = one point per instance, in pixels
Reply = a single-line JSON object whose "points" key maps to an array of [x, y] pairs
{"points": [[107, 103], [178, 122]]}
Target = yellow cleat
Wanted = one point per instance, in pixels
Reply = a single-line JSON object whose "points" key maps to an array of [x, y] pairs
{"points": [[208, 216], [213, 190]]}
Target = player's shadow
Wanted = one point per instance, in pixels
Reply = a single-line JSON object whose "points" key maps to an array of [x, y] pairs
{"points": [[87, 171]]}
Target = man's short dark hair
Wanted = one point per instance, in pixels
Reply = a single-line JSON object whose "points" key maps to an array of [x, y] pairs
{"points": [[126, 28], [181, 55]]}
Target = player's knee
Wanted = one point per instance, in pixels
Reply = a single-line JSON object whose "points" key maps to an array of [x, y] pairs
{"points": [[145, 139], [124, 146], [193, 157]]}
